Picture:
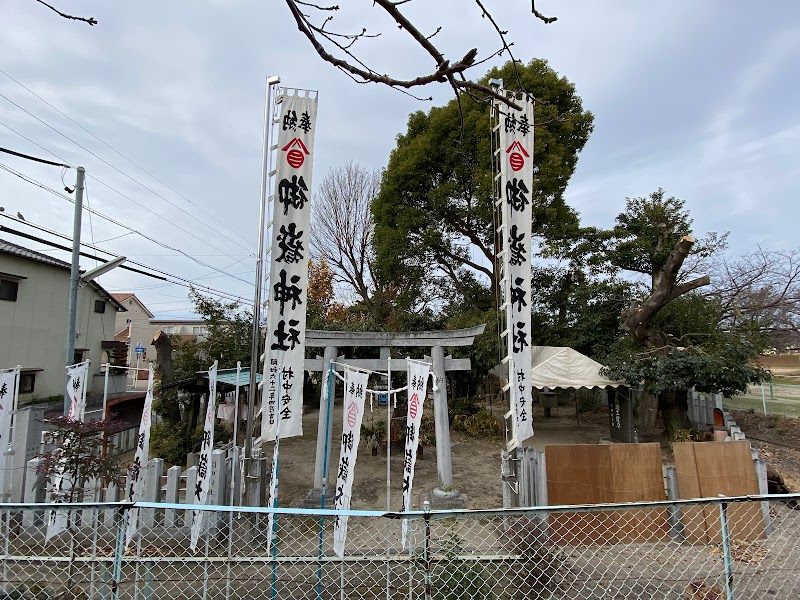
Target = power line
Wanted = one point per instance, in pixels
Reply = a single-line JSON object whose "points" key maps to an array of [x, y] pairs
{"points": [[117, 223], [110, 147], [139, 204], [158, 274], [123, 173], [33, 158]]}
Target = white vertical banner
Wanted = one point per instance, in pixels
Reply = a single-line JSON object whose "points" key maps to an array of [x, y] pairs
{"points": [[140, 459], [58, 520], [355, 390], [417, 390], [516, 180], [288, 282], [204, 461], [8, 403], [76, 390]]}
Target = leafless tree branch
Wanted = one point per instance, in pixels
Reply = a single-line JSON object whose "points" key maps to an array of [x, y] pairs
{"points": [[90, 20], [540, 16], [343, 226], [446, 71]]}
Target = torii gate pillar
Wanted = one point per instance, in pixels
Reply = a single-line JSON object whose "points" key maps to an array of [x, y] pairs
{"points": [[444, 462], [333, 341], [323, 435]]}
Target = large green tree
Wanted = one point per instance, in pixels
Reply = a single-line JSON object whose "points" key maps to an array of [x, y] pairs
{"points": [[435, 212]]}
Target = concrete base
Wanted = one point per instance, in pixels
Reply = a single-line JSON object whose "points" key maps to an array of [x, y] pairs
{"points": [[440, 499], [313, 499]]}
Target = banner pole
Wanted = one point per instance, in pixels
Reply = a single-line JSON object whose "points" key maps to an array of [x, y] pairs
{"points": [[388, 461], [255, 347], [104, 450], [328, 415]]}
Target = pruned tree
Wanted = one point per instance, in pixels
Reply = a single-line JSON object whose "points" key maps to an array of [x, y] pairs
{"points": [[675, 338], [342, 48]]}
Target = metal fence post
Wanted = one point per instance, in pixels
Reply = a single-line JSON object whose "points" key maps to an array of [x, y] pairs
{"points": [[726, 549], [426, 554], [119, 551]]}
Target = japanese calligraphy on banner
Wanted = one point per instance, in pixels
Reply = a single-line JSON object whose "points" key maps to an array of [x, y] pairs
{"points": [[417, 390], [286, 312], [355, 390], [76, 390], [272, 531], [516, 184], [135, 476], [204, 461], [8, 402]]}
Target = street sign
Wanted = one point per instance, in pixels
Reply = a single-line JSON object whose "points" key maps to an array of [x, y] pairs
{"points": [[139, 348]]}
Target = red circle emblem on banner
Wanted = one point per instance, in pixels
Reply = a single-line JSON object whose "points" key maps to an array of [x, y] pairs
{"points": [[516, 160], [295, 158], [352, 413], [412, 406]]}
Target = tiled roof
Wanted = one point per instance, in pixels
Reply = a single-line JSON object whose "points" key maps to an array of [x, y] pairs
{"points": [[14, 250], [123, 296], [21, 252]]}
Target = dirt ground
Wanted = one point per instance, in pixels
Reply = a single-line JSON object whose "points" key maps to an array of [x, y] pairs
{"points": [[777, 440], [476, 462]]}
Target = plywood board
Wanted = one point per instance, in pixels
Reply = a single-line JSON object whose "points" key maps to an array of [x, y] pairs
{"points": [[711, 469], [600, 474]]}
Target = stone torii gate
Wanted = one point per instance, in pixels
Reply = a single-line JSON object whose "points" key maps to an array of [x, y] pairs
{"points": [[332, 341]]}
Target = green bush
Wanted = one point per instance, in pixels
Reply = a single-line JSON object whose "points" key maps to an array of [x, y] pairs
{"points": [[172, 442], [482, 425]]}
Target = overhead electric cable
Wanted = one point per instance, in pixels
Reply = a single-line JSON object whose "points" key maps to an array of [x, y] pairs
{"points": [[181, 281], [33, 158], [123, 173], [117, 223], [186, 231], [110, 147]]}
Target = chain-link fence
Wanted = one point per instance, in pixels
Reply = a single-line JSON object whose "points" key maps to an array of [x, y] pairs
{"points": [[696, 549], [768, 399]]}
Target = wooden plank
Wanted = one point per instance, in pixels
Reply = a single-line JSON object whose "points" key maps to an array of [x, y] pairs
{"points": [[579, 474], [598, 474], [696, 519], [637, 476], [711, 469]]}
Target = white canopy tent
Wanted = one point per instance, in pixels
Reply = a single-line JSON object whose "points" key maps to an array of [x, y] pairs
{"points": [[560, 367]]}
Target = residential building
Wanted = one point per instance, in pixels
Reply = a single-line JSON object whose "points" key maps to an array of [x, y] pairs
{"points": [[138, 326], [34, 299]]}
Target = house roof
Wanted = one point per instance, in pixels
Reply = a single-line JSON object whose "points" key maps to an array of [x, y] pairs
{"points": [[123, 296], [7, 247]]}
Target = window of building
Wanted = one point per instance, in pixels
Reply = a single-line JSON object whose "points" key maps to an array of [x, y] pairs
{"points": [[99, 306], [197, 330], [27, 381], [8, 290]]}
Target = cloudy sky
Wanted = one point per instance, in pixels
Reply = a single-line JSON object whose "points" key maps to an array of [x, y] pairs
{"points": [[162, 102]]}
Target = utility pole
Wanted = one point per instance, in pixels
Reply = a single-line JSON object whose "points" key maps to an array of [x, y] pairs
{"points": [[74, 276], [255, 350]]}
